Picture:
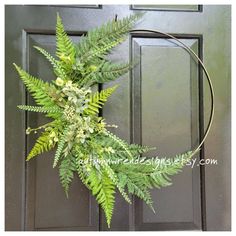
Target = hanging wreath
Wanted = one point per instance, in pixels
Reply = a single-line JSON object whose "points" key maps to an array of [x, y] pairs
{"points": [[84, 145]]}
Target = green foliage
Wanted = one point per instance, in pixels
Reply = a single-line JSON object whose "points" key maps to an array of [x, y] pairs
{"points": [[92, 49], [38, 88], [122, 150], [98, 99], [43, 143], [103, 161], [99, 41], [52, 109], [60, 147], [111, 71], [58, 69], [65, 48], [106, 72], [112, 175], [104, 189], [136, 149], [66, 172], [139, 178], [138, 185], [171, 166], [120, 142]]}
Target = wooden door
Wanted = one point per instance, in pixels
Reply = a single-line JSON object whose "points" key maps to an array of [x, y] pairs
{"points": [[162, 102]]}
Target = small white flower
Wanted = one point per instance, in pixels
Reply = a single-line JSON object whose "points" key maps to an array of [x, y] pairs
{"points": [[28, 130], [59, 81], [90, 130], [69, 83], [82, 140]]}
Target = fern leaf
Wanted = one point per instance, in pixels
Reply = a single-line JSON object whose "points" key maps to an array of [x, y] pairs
{"points": [[104, 189], [58, 69], [40, 109], [155, 174], [98, 99], [100, 51], [66, 169], [110, 71], [83, 175], [115, 180], [38, 88], [135, 149], [101, 186], [113, 31], [120, 142], [145, 175], [60, 147], [137, 185], [169, 167], [43, 143], [65, 48], [136, 181]]}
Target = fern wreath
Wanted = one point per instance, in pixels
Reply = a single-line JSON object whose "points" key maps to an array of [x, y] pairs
{"points": [[85, 146]]}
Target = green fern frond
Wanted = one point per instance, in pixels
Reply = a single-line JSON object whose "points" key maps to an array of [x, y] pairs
{"points": [[140, 177], [101, 186], [120, 142], [135, 149], [98, 99], [60, 147], [114, 178], [66, 170], [137, 185], [38, 88], [104, 189], [43, 143], [155, 174], [58, 69], [136, 181], [80, 169], [108, 72], [119, 146], [113, 31], [54, 109], [169, 167], [65, 48], [100, 51]]}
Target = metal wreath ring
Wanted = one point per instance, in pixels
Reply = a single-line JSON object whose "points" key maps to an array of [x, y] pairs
{"points": [[195, 56]]}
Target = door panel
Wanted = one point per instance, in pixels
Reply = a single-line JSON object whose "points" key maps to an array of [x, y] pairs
{"points": [[167, 7], [165, 108], [159, 103]]}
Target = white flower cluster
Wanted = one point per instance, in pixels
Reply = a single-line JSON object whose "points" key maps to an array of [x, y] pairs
{"points": [[78, 99], [69, 113], [84, 130], [80, 126], [78, 132]]}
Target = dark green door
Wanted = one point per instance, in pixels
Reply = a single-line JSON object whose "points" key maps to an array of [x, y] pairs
{"points": [[160, 103]]}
